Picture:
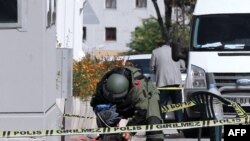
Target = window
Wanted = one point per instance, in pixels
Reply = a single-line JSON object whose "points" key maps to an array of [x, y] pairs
{"points": [[10, 13], [141, 3], [143, 64], [111, 34], [111, 4], [221, 32], [84, 33]]}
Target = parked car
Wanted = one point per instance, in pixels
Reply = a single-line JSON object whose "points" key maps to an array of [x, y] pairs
{"points": [[141, 61]]}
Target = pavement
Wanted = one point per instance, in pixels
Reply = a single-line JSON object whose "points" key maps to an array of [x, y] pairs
{"points": [[169, 135]]}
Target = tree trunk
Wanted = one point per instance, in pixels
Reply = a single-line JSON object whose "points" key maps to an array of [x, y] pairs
{"points": [[168, 17], [183, 17], [160, 21]]}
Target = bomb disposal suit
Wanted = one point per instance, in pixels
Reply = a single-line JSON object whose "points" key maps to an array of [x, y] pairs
{"points": [[134, 97]]}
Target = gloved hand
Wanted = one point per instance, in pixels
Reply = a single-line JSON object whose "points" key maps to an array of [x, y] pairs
{"points": [[108, 117], [102, 107]]}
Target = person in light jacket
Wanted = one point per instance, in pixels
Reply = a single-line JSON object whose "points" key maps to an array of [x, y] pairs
{"points": [[167, 75]]}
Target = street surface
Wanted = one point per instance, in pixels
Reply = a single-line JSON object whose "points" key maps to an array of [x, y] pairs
{"points": [[170, 135]]}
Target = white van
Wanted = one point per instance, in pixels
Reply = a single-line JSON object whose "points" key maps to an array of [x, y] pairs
{"points": [[219, 54], [220, 51]]}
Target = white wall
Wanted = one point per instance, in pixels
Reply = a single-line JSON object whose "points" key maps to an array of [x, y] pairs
{"points": [[69, 25], [27, 62], [125, 18], [28, 72]]}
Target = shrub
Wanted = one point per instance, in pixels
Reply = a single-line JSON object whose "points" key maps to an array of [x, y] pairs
{"points": [[87, 73]]}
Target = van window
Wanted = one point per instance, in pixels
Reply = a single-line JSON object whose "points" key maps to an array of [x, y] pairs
{"points": [[221, 32]]}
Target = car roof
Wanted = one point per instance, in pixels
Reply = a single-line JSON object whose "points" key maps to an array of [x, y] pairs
{"points": [[129, 57], [139, 56]]}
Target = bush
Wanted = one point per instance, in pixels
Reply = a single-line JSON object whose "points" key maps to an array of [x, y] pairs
{"points": [[88, 72]]}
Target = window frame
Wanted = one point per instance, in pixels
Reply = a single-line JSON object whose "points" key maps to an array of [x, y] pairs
{"points": [[110, 7], [18, 24], [140, 6], [111, 37]]}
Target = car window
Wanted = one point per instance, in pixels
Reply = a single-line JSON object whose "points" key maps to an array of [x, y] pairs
{"points": [[143, 64]]}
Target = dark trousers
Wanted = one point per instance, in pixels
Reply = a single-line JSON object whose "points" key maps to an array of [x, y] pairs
{"points": [[176, 97]]}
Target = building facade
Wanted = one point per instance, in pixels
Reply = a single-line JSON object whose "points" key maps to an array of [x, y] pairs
{"points": [[69, 26], [108, 24], [36, 62], [28, 65]]}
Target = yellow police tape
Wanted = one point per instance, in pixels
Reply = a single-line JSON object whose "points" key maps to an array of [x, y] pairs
{"points": [[178, 106], [140, 128], [167, 108], [170, 88], [173, 107], [243, 119], [239, 111], [77, 116], [164, 109]]}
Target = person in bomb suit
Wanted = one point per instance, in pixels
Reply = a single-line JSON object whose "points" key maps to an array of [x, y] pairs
{"points": [[129, 94]]}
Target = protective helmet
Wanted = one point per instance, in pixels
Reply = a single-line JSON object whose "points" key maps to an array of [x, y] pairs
{"points": [[115, 87]]}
